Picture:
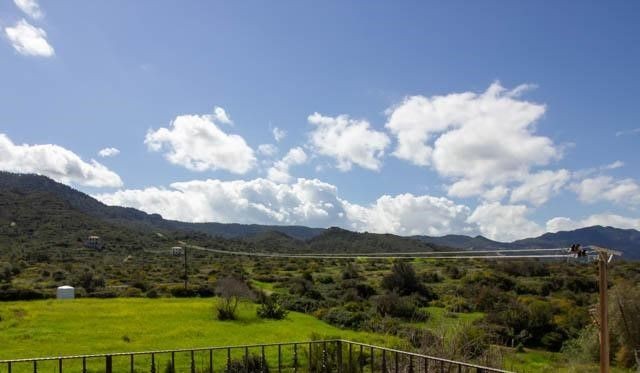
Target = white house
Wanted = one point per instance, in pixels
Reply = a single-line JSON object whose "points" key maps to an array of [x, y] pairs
{"points": [[177, 251]]}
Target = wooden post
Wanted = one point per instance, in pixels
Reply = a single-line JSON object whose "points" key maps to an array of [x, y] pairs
{"points": [[604, 314]]}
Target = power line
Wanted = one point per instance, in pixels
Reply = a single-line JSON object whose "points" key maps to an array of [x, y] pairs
{"points": [[365, 256]]}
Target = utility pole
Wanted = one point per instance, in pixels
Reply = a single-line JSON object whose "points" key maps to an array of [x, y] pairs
{"points": [[604, 257], [186, 273]]}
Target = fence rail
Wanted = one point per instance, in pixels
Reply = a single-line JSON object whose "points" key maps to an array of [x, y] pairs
{"points": [[324, 356]]}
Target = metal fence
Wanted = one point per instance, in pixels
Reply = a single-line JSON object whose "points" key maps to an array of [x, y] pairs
{"points": [[323, 356]]}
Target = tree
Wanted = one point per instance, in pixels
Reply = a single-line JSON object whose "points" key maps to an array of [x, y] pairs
{"points": [[625, 323], [403, 280], [230, 290]]}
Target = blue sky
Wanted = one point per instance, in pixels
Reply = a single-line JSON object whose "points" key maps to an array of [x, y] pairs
{"points": [[494, 118]]}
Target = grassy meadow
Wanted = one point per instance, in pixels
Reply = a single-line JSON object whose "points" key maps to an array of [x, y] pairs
{"points": [[85, 326]]}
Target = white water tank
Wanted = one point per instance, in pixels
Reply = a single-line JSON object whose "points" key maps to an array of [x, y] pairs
{"points": [[65, 292]]}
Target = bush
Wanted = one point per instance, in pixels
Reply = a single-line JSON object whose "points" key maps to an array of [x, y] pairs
{"points": [[343, 318], [181, 292], [271, 307], [230, 290], [254, 363], [20, 294], [402, 307]]}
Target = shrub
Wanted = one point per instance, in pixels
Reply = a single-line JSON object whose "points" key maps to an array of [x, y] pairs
{"points": [[271, 307], [230, 290], [325, 280], [402, 307], [254, 363], [344, 318]]}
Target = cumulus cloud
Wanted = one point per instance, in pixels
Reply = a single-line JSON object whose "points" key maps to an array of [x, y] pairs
{"points": [[476, 140], [221, 115], [30, 7], [29, 40], [406, 214], [504, 222], [108, 152], [348, 141], [607, 220], [279, 134], [258, 201], [280, 170], [606, 188], [55, 162], [198, 144], [268, 150], [539, 187]]}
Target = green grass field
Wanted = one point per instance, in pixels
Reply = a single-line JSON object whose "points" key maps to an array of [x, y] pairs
{"points": [[84, 326], [91, 326]]}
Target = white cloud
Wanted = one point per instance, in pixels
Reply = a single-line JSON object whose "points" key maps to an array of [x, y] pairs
{"points": [[196, 142], [539, 187], [30, 7], [29, 40], [55, 162], [280, 170], [607, 220], [504, 222], [258, 201], [279, 134], [632, 131], [221, 115], [613, 166], [476, 140], [495, 194], [406, 214], [347, 140], [606, 188], [268, 150], [108, 152]]}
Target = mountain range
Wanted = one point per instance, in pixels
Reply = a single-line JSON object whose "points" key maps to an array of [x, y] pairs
{"points": [[30, 192]]}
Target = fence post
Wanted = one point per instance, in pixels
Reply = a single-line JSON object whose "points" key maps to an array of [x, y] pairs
{"points": [[396, 359], [295, 358], [84, 365], [108, 364], [210, 361], [325, 366], [246, 359], [279, 358], [193, 363], [153, 363], [310, 352], [384, 361], [339, 355], [361, 359], [173, 362], [59, 365], [350, 357], [131, 364]]}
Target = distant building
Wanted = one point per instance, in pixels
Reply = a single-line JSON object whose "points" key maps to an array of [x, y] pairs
{"points": [[94, 242], [177, 251], [65, 292]]}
